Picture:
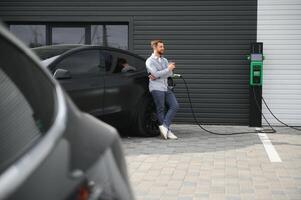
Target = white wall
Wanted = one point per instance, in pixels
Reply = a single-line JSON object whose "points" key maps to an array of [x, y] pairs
{"points": [[279, 28]]}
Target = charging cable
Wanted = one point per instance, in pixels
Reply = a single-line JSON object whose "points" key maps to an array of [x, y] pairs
{"points": [[272, 130], [292, 127]]}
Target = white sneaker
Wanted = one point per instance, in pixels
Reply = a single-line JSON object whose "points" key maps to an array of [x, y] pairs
{"points": [[171, 135], [163, 131]]}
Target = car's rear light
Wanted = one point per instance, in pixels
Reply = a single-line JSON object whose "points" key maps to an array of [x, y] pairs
{"points": [[83, 193], [88, 190]]}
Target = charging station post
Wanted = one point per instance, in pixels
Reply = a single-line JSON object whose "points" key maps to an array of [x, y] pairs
{"points": [[255, 84]]}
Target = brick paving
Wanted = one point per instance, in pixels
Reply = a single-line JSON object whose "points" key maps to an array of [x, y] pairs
{"points": [[204, 166]]}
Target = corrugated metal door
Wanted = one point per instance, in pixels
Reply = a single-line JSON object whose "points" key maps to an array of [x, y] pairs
{"points": [[209, 41], [279, 28]]}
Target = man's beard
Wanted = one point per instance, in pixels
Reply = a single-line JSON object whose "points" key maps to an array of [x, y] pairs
{"points": [[161, 52]]}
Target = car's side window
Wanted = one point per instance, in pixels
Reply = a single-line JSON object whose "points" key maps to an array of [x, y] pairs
{"points": [[84, 62], [139, 63], [122, 63]]}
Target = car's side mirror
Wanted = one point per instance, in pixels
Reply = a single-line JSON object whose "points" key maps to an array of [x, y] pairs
{"points": [[61, 74]]}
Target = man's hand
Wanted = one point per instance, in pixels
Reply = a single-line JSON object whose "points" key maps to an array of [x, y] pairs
{"points": [[151, 77], [171, 66]]}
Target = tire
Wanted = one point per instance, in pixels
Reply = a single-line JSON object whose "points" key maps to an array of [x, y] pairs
{"points": [[146, 121]]}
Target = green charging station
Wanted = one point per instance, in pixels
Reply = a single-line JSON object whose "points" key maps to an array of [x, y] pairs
{"points": [[256, 64], [255, 84]]}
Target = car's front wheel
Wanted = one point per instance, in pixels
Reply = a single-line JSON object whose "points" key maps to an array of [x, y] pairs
{"points": [[147, 122]]}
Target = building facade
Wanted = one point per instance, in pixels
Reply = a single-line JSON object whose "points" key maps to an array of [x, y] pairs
{"points": [[208, 40]]}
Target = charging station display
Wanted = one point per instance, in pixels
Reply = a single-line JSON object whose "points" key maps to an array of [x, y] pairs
{"points": [[256, 69]]}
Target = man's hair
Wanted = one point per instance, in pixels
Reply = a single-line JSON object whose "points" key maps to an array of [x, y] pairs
{"points": [[155, 42]]}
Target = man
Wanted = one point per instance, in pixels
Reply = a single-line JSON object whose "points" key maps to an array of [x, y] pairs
{"points": [[160, 69]]}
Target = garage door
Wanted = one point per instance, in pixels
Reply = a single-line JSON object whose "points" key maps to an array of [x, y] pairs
{"points": [[209, 41]]}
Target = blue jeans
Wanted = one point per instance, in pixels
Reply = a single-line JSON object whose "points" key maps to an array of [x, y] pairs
{"points": [[160, 98]]}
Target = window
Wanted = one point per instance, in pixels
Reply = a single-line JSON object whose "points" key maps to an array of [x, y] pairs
{"points": [[84, 62], [31, 35], [68, 35], [111, 35], [126, 63]]}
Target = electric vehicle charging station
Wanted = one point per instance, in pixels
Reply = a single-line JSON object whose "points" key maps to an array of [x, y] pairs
{"points": [[256, 69], [255, 84]]}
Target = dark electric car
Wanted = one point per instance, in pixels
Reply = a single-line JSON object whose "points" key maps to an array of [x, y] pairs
{"points": [[109, 83], [49, 149]]}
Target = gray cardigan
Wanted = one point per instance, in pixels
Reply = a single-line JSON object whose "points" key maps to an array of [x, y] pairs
{"points": [[160, 71]]}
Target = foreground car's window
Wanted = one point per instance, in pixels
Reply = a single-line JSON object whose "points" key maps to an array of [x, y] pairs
{"points": [[83, 62], [18, 127], [27, 104]]}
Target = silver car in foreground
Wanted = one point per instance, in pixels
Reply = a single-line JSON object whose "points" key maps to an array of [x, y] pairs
{"points": [[49, 150]]}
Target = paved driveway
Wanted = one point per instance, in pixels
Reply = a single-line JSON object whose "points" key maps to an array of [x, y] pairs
{"points": [[204, 166]]}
